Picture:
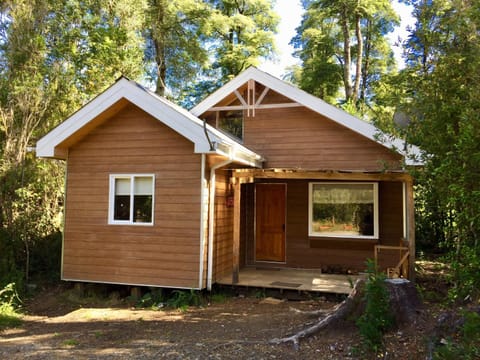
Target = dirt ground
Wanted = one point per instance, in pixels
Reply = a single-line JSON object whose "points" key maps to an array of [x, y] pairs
{"points": [[239, 327]]}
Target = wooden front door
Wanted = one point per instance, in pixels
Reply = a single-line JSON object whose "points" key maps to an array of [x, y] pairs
{"points": [[270, 222]]}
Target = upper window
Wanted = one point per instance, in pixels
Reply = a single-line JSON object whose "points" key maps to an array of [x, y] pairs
{"points": [[231, 122], [131, 199], [343, 210]]}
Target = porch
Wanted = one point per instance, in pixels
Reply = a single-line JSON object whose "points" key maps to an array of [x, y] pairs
{"points": [[292, 279], [391, 242]]}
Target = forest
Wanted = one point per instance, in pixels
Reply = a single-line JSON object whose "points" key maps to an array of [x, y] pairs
{"points": [[57, 55]]}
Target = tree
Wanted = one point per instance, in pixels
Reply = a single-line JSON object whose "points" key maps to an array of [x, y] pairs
{"points": [[54, 57], [443, 87], [343, 42], [238, 35], [193, 47], [243, 34], [175, 34]]}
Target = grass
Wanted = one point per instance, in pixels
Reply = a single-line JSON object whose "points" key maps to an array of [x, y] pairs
{"points": [[70, 342], [9, 315]]}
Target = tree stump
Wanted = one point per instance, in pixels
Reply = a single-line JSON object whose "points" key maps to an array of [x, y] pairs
{"points": [[404, 300], [404, 303]]}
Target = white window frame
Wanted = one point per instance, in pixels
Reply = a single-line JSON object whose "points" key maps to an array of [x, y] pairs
{"points": [[312, 233], [111, 203]]}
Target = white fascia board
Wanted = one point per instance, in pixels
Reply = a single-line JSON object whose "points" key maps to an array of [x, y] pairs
{"points": [[227, 89], [46, 145], [173, 116], [194, 130], [312, 102], [123, 88]]}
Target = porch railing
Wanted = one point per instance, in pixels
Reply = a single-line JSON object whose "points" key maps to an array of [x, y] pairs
{"points": [[401, 269]]}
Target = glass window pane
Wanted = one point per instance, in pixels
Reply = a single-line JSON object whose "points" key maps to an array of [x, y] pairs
{"points": [[143, 185], [122, 207], [231, 122], [122, 186], [142, 208], [343, 209]]}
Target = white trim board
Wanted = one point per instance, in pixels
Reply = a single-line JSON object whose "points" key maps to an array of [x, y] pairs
{"points": [[313, 103], [173, 116]]}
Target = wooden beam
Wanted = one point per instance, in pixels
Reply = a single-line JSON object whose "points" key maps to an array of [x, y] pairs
{"points": [[265, 106], [240, 97], [321, 175], [410, 228], [236, 232], [262, 96]]}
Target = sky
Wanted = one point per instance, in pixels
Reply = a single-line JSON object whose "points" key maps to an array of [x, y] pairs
{"points": [[290, 12]]}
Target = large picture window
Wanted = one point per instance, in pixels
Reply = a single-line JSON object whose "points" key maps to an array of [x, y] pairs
{"points": [[344, 210], [131, 199]]}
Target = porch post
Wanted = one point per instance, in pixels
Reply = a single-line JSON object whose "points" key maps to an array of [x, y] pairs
{"points": [[410, 227], [236, 230]]}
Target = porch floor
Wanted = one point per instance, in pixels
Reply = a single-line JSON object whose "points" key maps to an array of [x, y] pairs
{"points": [[292, 279]]}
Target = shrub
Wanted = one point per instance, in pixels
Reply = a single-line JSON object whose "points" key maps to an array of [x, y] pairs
{"points": [[182, 299], [377, 317], [465, 275], [466, 345], [9, 303]]}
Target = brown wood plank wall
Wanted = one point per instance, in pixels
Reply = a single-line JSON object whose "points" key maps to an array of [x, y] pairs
{"points": [[326, 253], [300, 138], [166, 254], [223, 232]]}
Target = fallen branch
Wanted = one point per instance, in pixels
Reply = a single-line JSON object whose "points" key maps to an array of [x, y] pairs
{"points": [[339, 312], [310, 313]]}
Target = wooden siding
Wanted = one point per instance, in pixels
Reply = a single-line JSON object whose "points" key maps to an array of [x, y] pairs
{"points": [[165, 254], [223, 231], [330, 254], [300, 138]]}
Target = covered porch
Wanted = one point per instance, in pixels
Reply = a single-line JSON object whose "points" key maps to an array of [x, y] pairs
{"points": [[292, 279], [393, 246]]}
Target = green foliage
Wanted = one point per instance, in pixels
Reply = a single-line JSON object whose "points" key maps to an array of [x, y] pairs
{"points": [[377, 317], [54, 56], [177, 299], [342, 44], [260, 293], [9, 303], [218, 298], [70, 342], [466, 345], [243, 33], [182, 299], [195, 46], [442, 87], [464, 274], [153, 299]]}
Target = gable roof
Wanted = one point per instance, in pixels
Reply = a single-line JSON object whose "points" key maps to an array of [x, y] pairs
{"points": [[168, 113], [410, 152]]}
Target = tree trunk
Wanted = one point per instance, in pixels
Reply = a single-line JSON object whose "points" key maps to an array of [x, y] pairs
{"points": [[158, 36], [347, 81], [161, 67], [404, 303], [339, 312], [358, 68], [366, 64]]}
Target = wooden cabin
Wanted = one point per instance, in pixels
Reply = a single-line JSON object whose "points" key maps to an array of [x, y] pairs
{"points": [[260, 175]]}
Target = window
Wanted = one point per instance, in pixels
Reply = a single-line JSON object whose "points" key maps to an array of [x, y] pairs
{"points": [[346, 210], [131, 199], [231, 122]]}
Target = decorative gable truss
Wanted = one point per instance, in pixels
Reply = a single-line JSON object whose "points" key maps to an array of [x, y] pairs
{"points": [[248, 90], [253, 100]]}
